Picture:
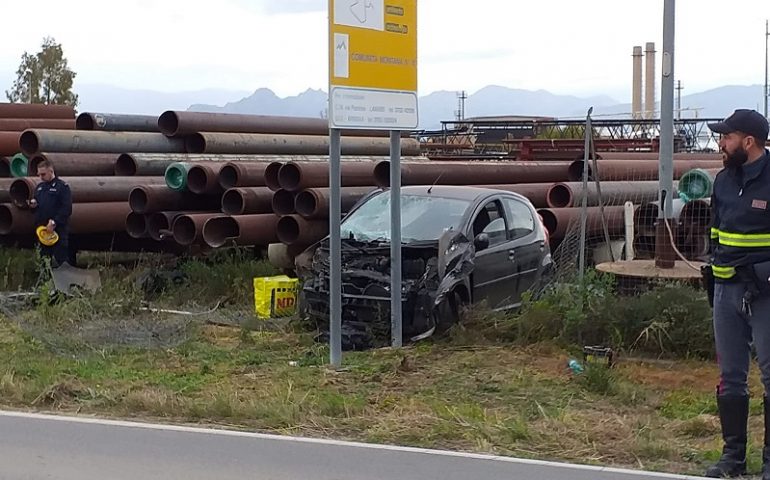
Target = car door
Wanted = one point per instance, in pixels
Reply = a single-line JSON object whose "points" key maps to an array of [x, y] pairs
{"points": [[494, 276], [526, 246]]}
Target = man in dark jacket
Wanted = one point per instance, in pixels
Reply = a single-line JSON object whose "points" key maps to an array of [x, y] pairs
{"points": [[53, 208], [740, 236]]}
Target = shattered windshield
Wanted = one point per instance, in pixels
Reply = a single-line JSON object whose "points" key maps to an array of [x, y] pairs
{"points": [[423, 218]]}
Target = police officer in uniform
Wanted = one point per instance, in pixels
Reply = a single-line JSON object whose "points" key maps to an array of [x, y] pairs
{"points": [[740, 271], [53, 208]]}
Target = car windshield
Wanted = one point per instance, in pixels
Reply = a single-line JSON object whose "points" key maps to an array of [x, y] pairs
{"points": [[423, 218]]}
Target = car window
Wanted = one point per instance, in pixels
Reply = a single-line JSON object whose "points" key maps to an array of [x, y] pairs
{"points": [[490, 220], [520, 220]]}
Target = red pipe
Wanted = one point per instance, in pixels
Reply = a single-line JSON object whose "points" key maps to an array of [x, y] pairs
{"points": [[558, 221], [296, 176], [158, 198], [293, 229], [203, 178], [313, 203], [247, 201], [36, 110], [9, 143], [21, 124], [472, 173], [77, 164], [136, 225], [86, 218], [618, 170], [283, 202], [188, 229], [85, 189]]}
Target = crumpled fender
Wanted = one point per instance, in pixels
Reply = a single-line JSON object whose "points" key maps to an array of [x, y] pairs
{"points": [[455, 262]]}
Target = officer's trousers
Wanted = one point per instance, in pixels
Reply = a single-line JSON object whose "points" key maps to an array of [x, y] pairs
{"points": [[735, 330]]}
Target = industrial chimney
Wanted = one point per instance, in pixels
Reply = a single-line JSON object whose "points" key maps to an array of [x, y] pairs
{"points": [[649, 81], [636, 93]]}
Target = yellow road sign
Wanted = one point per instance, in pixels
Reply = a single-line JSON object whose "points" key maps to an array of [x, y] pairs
{"points": [[373, 64]]}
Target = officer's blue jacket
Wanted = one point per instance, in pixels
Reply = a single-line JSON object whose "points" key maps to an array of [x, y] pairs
{"points": [[740, 213], [54, 201]]}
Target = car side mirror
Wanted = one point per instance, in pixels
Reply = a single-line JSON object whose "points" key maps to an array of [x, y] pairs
{"points": [[481, 242]]}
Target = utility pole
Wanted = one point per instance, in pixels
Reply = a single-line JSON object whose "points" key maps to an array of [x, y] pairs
{"points": [[679, 89], [460, 113]]}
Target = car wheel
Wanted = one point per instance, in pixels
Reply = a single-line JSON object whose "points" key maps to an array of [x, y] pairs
{"points": [[448, 312]]}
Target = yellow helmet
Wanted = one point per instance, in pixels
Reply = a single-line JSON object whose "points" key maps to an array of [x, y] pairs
{"points": [[47, 239]]}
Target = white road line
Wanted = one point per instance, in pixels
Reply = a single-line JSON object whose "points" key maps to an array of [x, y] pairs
{"points": [[338, 443]]}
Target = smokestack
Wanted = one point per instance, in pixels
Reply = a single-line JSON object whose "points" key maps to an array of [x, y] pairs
{"points": [[649, 81], [636, 93]]}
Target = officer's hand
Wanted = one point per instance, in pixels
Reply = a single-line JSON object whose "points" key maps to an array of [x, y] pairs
{"points": [[32, 203], [50, 227]]}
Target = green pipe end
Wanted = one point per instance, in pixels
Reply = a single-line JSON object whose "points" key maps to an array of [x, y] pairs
{"points": [[19, 165], [176, 176], [695, 184]]}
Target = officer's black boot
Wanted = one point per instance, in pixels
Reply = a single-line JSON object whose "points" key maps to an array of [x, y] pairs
{"points": [[733, 415], [766, 449]]}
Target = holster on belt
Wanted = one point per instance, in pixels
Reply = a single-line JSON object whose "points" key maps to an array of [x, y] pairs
{"points": [[707, 275]]}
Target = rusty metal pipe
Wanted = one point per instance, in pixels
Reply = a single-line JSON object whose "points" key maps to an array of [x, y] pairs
{"points": [[537, 193], [646, 216], [271, 176], [655, 155], [296, 176], [21, 124], [173, 123], [159, 223], [136, 225], [36, 141], [243, 174], [76, 164], [558, 221], [257, 143], [86, 218], [569, 194], [473, 173], [247, 201], [188, 229], [617, 170], [283, 202], [9, 143], [313, 203], [241, 230], [117, 122], [5, 167], [158, 198], [204, 178], [294, 230], [697, 214], [36, 110], [85, 189]]}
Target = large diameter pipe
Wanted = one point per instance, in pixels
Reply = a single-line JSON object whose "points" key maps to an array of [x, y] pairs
{"points": [[188, 229], [243, 174], [159, 223], [271, 176], [36, 141], [77, 164], [5, 187], [558, 221], [656, 155], [247, 201], [84, 189], [204, 178], [36, 110], [313, 203], [473, 173], [117, 122], [19, 165], [21, 124], [5, 167], [295, 230], [86, 218], [257, 143], [569, 194], [296, 176], [617, 170], [9, 143], [158, 198], [173, 123], [283, 202], [136, 225], [646, 216], [241, 230], [697, 183], [696, 215]]}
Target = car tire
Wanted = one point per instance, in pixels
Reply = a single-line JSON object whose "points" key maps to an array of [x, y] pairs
{"points": [[448, 312]]}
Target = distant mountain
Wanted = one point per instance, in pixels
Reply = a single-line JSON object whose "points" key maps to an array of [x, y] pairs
{"points": [[715, 103], [107, 98], [438, 106]]}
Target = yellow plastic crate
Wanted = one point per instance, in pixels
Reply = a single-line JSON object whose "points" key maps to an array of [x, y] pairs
{"points": [[275, 297]]}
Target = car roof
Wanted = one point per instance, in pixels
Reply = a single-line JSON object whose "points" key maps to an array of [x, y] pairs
{"points": [[460, 192]]}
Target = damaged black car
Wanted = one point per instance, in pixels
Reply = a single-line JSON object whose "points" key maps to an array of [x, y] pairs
{"points": [[460, 246]]}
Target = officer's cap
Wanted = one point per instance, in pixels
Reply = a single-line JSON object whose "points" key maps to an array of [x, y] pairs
{"points": [[745, 121]]}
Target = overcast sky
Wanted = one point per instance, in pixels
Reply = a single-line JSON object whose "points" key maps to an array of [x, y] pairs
{"points": [[564, 46]]}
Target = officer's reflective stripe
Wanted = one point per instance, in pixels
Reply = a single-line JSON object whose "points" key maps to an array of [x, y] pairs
{"points": [[723, 272], [714, 233], [742, 239]]}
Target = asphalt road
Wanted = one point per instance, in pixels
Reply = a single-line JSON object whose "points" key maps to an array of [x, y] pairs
{"points": [[36, 447]]}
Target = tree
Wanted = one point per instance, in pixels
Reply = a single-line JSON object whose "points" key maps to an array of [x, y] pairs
{"points": [[44, 77]]}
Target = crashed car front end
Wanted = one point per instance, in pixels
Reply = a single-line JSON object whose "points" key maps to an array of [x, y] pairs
{"points": [[430, 270]]}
